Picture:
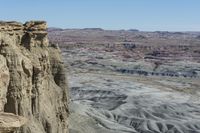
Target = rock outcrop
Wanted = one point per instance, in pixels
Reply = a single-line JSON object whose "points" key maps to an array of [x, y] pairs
{"points": [[10, 122], [32, 78]]}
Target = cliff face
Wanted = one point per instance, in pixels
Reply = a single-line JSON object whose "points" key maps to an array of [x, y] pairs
{"points": [[32, 78]]}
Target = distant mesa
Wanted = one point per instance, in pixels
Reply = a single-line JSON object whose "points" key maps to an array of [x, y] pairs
{"points": [[51, 29], [133, 30], [97, 29]]}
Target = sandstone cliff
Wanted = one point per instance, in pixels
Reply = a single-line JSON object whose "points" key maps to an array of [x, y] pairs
{"points": [[32, 78]]}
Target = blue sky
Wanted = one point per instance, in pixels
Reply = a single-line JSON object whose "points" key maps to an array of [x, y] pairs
{"points": [[146, 15]]}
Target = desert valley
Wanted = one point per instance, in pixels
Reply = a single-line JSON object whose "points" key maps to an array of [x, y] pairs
{"points": [[130, 81]]}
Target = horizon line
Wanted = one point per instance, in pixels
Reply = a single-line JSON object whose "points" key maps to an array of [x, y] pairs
{"points": [[114, 29]]}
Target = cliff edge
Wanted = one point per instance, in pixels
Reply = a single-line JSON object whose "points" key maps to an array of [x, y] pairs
{"points": [[32, 78]]}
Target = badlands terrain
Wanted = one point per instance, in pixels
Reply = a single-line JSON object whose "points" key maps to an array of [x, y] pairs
{"points": [[131, 81]]}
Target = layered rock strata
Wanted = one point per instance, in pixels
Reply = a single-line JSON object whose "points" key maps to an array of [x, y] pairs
{"points": [[32, 78], [10, 122]]}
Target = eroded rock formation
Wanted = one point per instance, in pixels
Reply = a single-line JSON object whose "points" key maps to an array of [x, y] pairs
{"points": [[10, 122], [32, 78]]}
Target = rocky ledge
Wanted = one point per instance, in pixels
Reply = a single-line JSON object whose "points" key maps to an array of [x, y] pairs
{"points": [[10, 122], [29, 26], [32, 80]]}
